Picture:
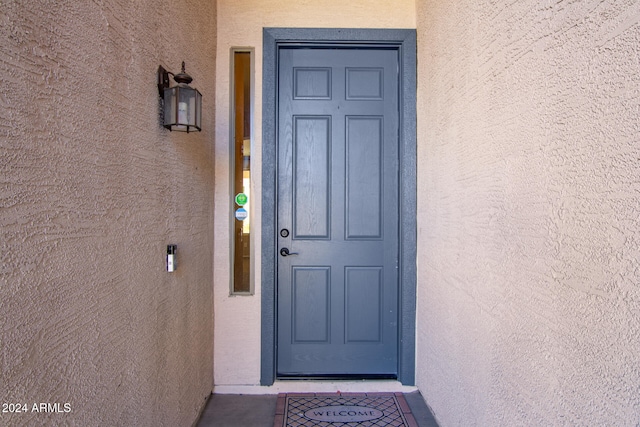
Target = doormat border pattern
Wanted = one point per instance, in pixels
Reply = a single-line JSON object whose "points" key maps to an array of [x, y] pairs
{"points": [[281, 404]]}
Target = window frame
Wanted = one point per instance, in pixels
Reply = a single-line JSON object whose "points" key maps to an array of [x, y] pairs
{"points": [[232, 169]]}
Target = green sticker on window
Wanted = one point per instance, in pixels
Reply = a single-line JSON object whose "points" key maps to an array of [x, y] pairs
{"points": [[241, 199]]}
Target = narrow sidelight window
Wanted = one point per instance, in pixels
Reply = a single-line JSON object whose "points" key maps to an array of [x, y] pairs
{"points": [[241, 171]]}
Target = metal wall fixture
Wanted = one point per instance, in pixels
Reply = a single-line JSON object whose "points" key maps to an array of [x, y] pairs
{"points": [[182, 103], [171, 258]]}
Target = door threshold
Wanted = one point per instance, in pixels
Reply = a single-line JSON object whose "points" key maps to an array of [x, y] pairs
{"points": [[336, 377], [318, 386]]}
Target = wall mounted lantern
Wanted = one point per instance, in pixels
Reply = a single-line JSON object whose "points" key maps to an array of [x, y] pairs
{"points": [[182, 103]]}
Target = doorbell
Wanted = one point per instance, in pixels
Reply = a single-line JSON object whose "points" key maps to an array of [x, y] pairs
{"points": [[171, 258]]}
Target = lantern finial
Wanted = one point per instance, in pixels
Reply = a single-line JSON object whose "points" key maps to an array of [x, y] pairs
{"points": [[183, 77]]}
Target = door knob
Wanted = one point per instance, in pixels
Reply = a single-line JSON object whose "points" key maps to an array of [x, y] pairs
{"points": [[285, 252]]}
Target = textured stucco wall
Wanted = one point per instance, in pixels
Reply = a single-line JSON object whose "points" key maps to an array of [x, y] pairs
{"points": [[240, 24], [529, 212], [92, 189]]}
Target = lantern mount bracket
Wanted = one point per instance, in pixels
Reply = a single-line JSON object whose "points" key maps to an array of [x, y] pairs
{"points": [[163, 78]]}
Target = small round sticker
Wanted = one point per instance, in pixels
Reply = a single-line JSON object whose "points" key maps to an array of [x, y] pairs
{"points": [[241, 214], [241, 199]]}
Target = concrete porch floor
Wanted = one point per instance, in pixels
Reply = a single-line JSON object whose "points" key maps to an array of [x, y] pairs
{"points": [[237, 410]]}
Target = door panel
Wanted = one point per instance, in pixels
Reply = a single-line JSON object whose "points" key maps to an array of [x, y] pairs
{"points": [[363, 286], [337, 199], [312, 174], [310, 304], [364, 177]]}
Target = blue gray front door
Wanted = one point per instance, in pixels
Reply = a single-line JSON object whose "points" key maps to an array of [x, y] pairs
{"points": [[337, 212]]}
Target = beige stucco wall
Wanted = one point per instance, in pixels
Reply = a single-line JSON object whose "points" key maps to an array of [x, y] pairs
{"points": [[240, 24], [529, 207], [92, 189]]}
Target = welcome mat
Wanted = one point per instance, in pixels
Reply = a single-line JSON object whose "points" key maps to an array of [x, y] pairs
{"points": [[343, 409]]}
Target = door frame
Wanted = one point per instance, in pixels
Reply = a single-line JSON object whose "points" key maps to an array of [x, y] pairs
{"points": [[405, 41]]}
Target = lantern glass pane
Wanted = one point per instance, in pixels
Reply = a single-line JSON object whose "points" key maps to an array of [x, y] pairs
{"points": [[169, 107], [186, 106], [182, 109], [198, 110]]}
